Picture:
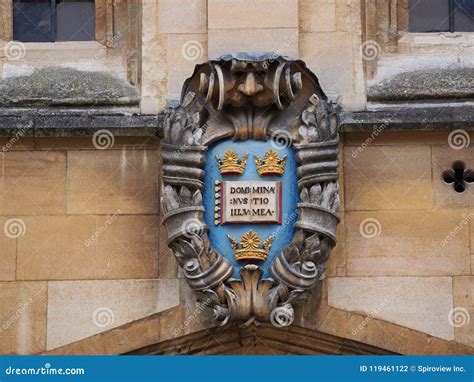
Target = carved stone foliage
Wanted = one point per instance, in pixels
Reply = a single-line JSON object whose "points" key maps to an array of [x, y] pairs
{"points": [[259, 97]]}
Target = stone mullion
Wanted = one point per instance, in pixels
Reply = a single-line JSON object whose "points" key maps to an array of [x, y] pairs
{"points": [[6, 20], [133, 41]]}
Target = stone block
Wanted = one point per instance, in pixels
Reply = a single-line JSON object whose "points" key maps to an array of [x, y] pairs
{"points": [[388, 178], [443, 158], [98, 306], [32, 183], [252, 14], [280, 40], [382, 137], [84, 143], [184, 51], [23, 317], [182, 16], [462, 316], [406, 243], [7, 250], [317, 15], [329, 56], [348, 18], [16, 143], [419, 303], [88, 247], [112, 181]]}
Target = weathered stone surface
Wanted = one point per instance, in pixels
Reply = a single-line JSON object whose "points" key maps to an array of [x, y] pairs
{"points": [[430, 83], [82, 143], [463, 313], [381, 136], [443, 117], [280, 40], [386, 178], [98, 306], [443, 158], [23, 317], [183, 16], [185, 51], [407, 301], [317, 16], [17, 142], [55, 86], [228, 14], [7, 253], [154, 61], [6, 20], [406, 243], [112, 181], [329, 56], [88, 247], [33, 183]]}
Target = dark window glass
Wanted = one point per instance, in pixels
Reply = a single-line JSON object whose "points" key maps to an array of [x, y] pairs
{"points": [[32, 20], [441, 15], [53, 20], [76, 20], [464, 15]]}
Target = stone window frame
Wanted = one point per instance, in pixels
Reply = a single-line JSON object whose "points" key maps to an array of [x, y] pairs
{"points": [[104, 32], [385, 30]]}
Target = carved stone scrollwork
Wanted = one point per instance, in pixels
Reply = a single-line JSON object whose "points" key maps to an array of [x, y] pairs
{"points": [[259, 97]]}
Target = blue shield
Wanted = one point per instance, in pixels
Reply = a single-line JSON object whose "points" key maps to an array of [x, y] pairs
{"points": [[281, 230]]}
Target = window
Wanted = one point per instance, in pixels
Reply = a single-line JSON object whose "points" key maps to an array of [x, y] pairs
{"points": [[53, 20], [441, 16]]}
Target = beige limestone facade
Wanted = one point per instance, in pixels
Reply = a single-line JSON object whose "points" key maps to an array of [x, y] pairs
{"points": [[84, 266]]}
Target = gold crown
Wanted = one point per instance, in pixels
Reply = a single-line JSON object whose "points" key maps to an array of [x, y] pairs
{"points": [[231, 164], [271, 164], [248, 248]]}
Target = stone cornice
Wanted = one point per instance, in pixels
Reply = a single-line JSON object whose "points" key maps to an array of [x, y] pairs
{"points": [[129, 122]]}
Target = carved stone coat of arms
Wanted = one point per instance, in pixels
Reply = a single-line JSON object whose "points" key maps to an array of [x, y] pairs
{"points": [[250, 192]]}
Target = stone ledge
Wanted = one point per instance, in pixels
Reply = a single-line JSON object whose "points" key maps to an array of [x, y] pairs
{"points": [[396, 117], [73, 123], [127, 122]]}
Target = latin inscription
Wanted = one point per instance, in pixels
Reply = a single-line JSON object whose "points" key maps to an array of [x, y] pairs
{"points": [[251, 202]]}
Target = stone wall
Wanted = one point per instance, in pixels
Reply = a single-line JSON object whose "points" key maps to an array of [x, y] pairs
{"points": [[84, 268], [80, 241], [82, 252]]}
